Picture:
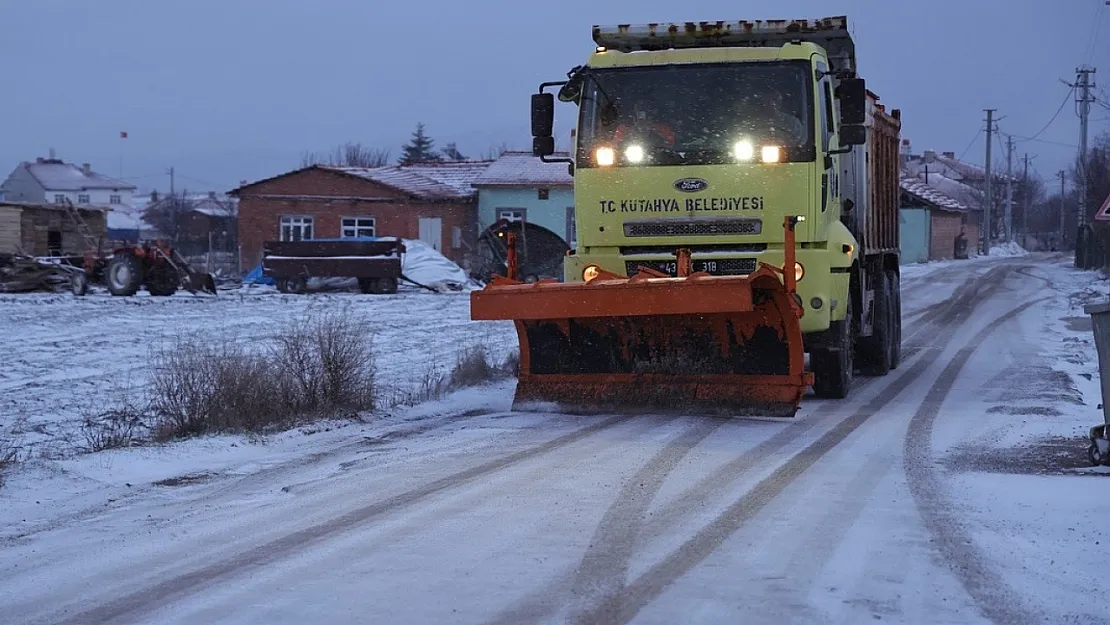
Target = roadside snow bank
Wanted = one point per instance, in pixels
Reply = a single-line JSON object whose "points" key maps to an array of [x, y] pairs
{"points": [[422, 263], [1008, 249]]}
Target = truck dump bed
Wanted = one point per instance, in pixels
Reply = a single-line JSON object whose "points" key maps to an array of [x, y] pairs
{"points": [[880, 231]]}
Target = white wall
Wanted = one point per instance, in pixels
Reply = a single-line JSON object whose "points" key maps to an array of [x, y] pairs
{"points": [[96, 196]]}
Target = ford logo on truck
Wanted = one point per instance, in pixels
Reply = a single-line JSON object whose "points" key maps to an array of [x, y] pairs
{"points": [[691, 185]]}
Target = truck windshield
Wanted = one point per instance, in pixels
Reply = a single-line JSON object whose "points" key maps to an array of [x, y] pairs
{"points": [[696, 114]]}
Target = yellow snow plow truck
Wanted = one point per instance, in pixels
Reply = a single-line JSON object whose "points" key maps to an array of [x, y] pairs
{"points": [[736, 207]]}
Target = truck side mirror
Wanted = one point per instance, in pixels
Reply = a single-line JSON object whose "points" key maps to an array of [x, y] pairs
{"points": [[543, 146], [852, 93], [543, 114], [853, 134], [543, 122]]}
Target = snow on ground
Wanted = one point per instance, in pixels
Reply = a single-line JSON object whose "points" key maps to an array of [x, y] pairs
{"points": [[1009, 248], [844, 538], [1032, 511], [70, 357]]}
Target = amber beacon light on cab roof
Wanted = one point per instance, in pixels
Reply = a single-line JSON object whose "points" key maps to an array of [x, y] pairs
{"points": [[736, 205]]}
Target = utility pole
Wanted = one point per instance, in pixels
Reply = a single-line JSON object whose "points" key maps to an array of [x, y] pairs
{"points": [[170, 172], [1009, 220], [1083, 98], [989, 198], [1026, 200], [1062, 237]]}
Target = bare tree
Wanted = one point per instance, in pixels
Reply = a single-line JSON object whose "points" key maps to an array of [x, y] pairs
{"points": [[348, 155], [167, 214]]}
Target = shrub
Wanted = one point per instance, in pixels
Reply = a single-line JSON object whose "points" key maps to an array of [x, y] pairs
{"points": [[320, 367]]}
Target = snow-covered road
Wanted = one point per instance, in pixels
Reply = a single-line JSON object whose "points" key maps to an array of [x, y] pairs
{"points": [[950, 491]]}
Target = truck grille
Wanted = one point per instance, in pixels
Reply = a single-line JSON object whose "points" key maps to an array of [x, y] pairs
{"points": [[725, 267], [692, 228]]}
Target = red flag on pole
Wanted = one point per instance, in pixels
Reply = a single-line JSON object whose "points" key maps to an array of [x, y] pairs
{"points": [[123, 134]]}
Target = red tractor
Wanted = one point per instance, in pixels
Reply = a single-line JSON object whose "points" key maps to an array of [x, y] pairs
{"points": [[155, 265]]}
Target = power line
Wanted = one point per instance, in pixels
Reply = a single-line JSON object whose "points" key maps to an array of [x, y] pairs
{"points": [[1067, 97], [973, 140], [1094, 35]]}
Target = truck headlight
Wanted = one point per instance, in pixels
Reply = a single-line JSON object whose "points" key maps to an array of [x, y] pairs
{"points": [[605, 156], [799, 272], [743, 150], [634, 154], [770, 153], [590, 272]]}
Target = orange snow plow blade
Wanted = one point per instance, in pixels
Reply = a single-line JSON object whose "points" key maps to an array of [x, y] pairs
{"points": [[696, 343]]}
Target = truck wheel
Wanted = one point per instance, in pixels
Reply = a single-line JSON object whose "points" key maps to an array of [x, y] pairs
{"points": [[124, 275], [896, 317], [875, 350], [377, 286], [833, 368], [292, 285]]}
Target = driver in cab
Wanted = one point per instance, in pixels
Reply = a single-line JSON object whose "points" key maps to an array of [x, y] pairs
{"points": [[643, 128]]}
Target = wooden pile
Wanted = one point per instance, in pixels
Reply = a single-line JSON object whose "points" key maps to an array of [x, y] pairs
{"points": [[23, 274]]}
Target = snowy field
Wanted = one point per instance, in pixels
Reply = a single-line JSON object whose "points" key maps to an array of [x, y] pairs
{"points": [[67, 358], [954, 490]]}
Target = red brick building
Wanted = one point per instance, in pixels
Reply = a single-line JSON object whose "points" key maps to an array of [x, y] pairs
{"points": [[434, 203]]}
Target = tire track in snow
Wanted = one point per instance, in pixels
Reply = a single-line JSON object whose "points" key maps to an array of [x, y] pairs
{"points": [[617, 536], [815, 551], [997, 601], [150, 598], [623, 607], [617, 605]]}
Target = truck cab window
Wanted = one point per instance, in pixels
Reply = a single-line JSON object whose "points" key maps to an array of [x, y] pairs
{"points": [[695, 114]]}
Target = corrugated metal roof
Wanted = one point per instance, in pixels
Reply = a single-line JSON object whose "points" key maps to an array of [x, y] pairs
{"points": [[55, 175], [523, 169], [430, 181], [931, 194]]}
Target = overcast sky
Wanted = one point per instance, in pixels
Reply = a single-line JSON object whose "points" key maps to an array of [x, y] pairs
{"points": [[227, 90]]}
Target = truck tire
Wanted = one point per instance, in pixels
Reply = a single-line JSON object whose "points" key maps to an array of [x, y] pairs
{"points": [[162, 281], [123, 275], [297, 285], [377, 286], [833, 368], [896, 336], [875, 351]]}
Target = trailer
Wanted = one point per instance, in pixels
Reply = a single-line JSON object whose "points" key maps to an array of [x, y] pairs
{"points": [[376, 263]]}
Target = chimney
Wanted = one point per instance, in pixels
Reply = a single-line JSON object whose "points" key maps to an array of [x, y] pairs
{"points": [[86, 169], [951, 155], [930, 156]]}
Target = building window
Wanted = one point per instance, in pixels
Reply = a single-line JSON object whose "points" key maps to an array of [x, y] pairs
{"points": [[115, 199], [357, 227], [59, 198], [572, 238], [82, 199], [296, 228], [544, 194], [456, 237], [512, 214]]}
